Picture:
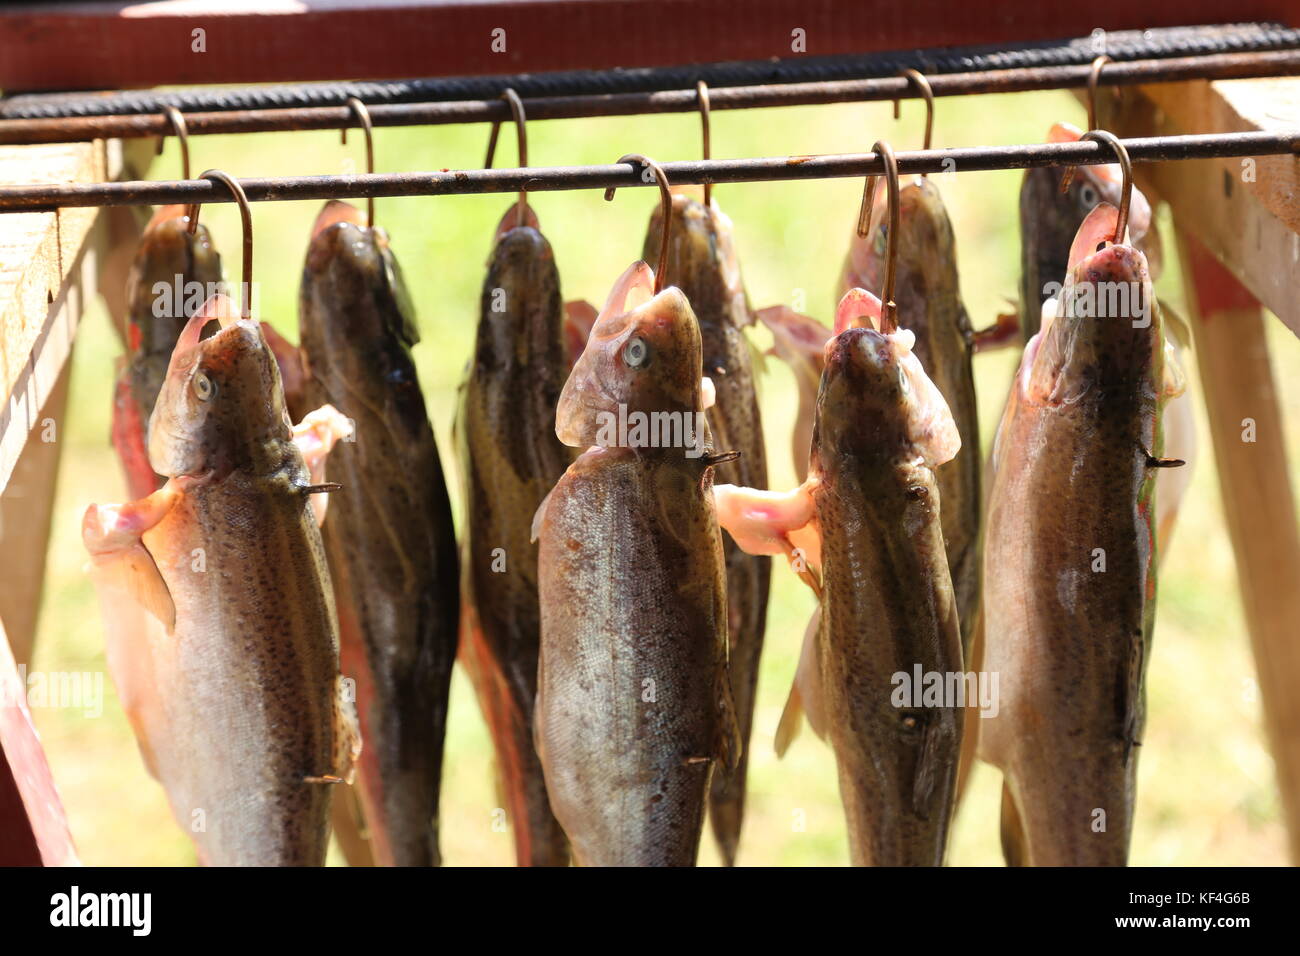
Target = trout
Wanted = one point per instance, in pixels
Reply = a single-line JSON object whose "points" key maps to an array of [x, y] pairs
{"points": [[1050, 219], [510, 458], [633, 703], [867, 523], [1069, 566], [174, 272], [702, 263], [221, 631], [929, 305], [390, 539]]}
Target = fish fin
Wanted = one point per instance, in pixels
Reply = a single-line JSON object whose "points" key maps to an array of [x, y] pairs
{"points": [[791, 721], [764, 522], [1175, 325], [1003, 332], [347, 730], [538, 517], [314, 437], [1133, 694], [1173, 382], [1153, 462], [348, 821], [120, 561], [729, 745], [579, 316], [1013, 831], [721, 458], [321, 489], [708, 393]]}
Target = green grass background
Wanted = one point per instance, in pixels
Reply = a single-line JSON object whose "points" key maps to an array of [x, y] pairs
{"points": [[1206, 790]]}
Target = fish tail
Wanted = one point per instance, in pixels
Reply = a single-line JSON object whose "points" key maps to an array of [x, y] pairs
{"points": [[791, 721], [539, 839], [1013, 832]]}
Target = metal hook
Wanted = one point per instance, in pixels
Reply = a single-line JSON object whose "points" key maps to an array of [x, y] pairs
{"points": [[702, 91], [666, 197], [521, 120], [363, 116], [1126, 171], [888, 321], [1093, 79], [182, 132], [246, 217], [921, 83]]}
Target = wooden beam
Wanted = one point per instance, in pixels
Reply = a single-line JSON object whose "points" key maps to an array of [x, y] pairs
{"points": [[46, 269], [61, 46], [1250, 454], [1246, 212]]}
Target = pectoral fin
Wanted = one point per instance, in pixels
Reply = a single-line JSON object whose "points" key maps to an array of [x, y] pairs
{"points": [[120, 562], [805, 693], [347, 731], [315, 437]]}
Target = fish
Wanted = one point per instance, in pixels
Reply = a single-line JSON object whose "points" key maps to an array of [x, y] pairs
{"points": [[928, 297], [220, 624], [1050, 219], [510, 458], [390, 538], [1070, 558], [634, 707], [886, 603], [703, 264], [174, 272]]}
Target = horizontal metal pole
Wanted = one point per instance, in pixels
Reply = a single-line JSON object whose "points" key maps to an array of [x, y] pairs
{"points": [[545, 179], [1210, 67]]}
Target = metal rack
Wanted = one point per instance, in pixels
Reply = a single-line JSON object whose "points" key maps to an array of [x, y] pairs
{"points": [[1239, 239]]}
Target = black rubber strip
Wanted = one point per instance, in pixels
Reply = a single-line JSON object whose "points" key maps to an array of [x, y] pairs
{"points": [[1119, 45]]}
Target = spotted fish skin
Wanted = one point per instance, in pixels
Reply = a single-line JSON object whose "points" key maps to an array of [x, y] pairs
{"points": [[510, 459], [222, 636], [389, 534], [702, 262], [929, 305], [634, 704], [1070, 568], [170, 261]]}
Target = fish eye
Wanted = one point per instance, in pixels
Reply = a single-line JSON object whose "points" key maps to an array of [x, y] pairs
{"points": [[204, 387], [636, 352], [1088, 196], [904, 385]]}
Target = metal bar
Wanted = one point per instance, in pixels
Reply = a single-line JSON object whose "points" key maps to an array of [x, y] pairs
{"points": [[1211, 67], [542, 179]]}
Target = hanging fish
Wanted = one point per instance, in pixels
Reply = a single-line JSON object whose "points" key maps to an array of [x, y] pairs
{"points": [[510, 458], [221, 631], [390, 537], [702, 263], [633, 702], [929, 305], [865, 526], [1050, 219], [1069, 559], [173, 274]]}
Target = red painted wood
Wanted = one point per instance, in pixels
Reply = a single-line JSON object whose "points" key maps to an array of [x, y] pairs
{"points": [[1217, 290], [118, 46]]}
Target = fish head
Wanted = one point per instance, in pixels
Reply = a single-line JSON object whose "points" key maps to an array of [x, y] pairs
{"points": [[875, 399], [701, 250], [173, 273], [221, 402], [643, 355], [1097, 184], [517, 218], [352, 264], [1104, 332]]}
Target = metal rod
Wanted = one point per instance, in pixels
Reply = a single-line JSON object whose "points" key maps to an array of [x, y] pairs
{"points": [[1217, 66], [546, 179]]}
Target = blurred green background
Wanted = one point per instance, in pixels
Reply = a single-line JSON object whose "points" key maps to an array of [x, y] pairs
{"points": [[1206, 792]]}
